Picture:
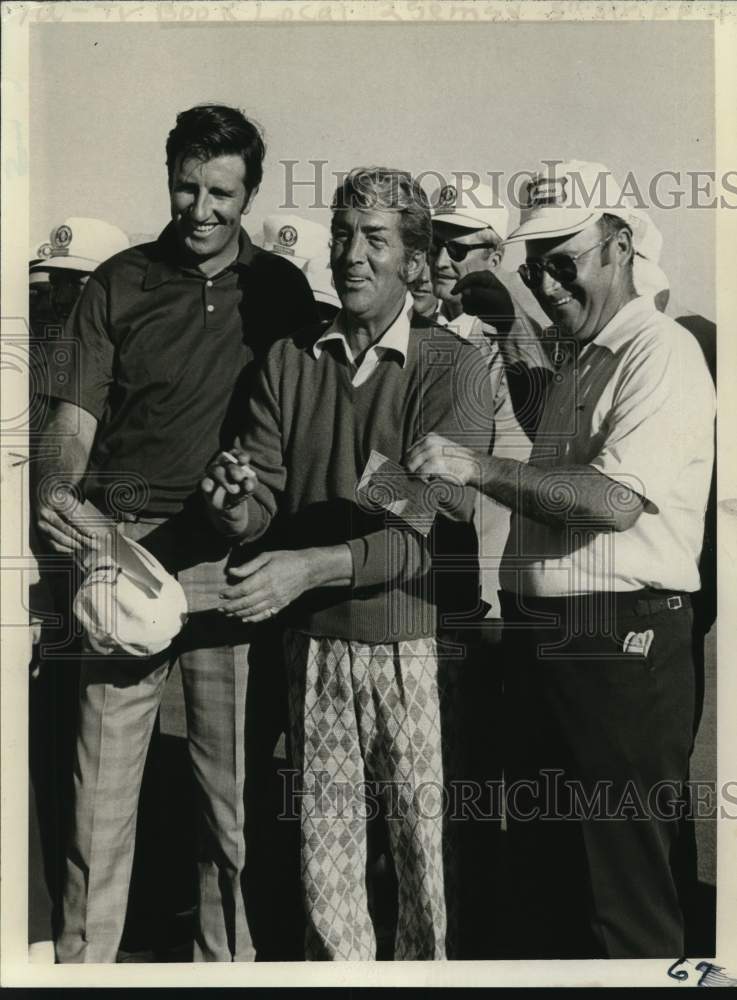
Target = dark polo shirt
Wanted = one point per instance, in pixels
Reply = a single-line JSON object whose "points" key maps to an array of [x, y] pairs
{"points": [[161, 348]]}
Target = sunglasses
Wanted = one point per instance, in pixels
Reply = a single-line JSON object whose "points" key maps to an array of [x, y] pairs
{"points": [[560, 266], [458, 251]]}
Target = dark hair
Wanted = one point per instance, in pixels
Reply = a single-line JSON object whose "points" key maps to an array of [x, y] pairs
{"points": [[386, 189], [210, 130], [610, 225]]}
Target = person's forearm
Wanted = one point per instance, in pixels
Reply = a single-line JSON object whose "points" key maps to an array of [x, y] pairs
{"points": [[558, 496], [329, 566], [59, 463], [61, 456], [451, 500]]}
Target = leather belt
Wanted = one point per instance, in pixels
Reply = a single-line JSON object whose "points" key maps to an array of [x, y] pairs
{"points": [[651, 606], [639, 602]]}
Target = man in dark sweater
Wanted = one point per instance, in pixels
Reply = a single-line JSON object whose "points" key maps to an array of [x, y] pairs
{"points": [[353, 582], [163, 332]]}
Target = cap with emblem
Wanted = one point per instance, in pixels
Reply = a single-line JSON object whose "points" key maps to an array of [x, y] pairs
{"points": [[38, 270], [475, 207], [34, 256], [565, 198], [79, 244], [320, 278], [295, 238], [127, 602]]}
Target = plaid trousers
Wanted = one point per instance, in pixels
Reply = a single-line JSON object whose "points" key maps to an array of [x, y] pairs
{"points": [[119, 699], [361, 713]]}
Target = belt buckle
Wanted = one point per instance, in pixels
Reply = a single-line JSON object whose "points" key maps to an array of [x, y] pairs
{"points": [[674, 603]]}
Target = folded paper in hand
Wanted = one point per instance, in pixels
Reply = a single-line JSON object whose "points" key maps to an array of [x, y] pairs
{"points": [[386, 484]]}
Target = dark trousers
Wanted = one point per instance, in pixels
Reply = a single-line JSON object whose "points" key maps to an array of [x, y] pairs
{"points": [[39, 899], [597, 749], [52, 716], [470, 683], [470, 691]]}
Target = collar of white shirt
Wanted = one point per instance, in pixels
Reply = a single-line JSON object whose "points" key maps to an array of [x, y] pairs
{"points": [[463, 325], [624, 323], [395, 338]]}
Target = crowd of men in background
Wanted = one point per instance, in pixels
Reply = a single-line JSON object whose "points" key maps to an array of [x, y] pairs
{"points": [[241, 410]]}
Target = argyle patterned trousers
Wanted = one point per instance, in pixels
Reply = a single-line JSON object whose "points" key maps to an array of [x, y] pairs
{"points": [[367, 713]]}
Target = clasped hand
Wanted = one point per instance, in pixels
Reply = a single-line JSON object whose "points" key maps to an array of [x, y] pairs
{"points": [[268, 584], [438, 456]]}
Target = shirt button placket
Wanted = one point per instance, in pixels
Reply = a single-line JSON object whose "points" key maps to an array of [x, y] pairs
{"points": [[209, 307]]}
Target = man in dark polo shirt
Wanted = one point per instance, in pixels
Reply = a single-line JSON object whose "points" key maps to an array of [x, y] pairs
{"points": [[164, 332]]}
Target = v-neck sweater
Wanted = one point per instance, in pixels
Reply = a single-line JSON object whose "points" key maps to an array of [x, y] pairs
{"points": [[310, 433]]}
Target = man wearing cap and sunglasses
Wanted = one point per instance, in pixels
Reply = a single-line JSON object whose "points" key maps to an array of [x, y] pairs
{"points": [[486, 303], [469, 226], [468, 233], [602, 556], [165, 332]]}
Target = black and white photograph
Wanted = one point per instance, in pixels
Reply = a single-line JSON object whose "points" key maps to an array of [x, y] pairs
{"points": [[369, 519]]}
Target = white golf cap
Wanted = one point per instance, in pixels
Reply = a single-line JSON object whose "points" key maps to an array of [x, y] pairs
{"points": [[80, 244], [649, 278], [296, 238], [565, 198], [477, 207], [127, 602], [646, 237], [320, 278]]}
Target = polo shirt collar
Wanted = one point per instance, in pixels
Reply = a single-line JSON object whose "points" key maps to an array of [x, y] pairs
{"points": [[395, 338], [168, 265], [622, 325], [463, 325]]}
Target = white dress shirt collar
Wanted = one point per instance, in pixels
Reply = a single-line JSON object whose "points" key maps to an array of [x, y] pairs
{"points": [[395, 338]]}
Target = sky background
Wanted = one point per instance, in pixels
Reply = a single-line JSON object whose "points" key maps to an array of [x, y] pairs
{"points": [[448, 97]]}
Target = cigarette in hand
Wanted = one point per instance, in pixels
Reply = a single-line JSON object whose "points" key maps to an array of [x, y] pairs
{"points": [[234, 461], [234, 499]]}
